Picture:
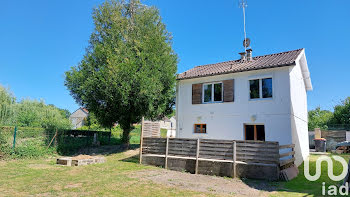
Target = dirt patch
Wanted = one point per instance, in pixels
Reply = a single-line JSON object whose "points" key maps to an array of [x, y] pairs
{"points": [[131, 153], [204, 183], [83, 157], [101, 150], [75, 185]]}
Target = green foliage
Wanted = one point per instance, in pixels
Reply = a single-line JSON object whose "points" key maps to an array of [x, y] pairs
{"points": [[319, 118], [163, 133], [129, 69], [31, 113], [30, 143], [92, 124], [342, 113], [7, 101]]}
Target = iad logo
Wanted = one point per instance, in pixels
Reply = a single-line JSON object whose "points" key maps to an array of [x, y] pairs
{"points": [[330, 168], [332, 189]]}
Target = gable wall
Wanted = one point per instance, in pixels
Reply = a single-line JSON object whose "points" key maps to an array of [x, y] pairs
{"points": [[226, 120], [77, 118], [299, 114]]}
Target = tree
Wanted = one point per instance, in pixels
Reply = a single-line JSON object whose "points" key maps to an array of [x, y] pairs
{"points": [[342, 113], [319, 118], [7, 101], [129, 69]]}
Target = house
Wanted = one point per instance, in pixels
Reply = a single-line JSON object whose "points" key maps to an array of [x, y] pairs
{"points": [[78, 117], [253, 98], [168, 124]]}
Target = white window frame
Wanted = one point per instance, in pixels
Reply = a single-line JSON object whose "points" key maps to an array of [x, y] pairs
{"points": [[260, 88], [212, 92]]}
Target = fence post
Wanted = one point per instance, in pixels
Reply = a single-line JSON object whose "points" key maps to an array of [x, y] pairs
{"points": [[55, 143], [197, 156], [234, 159], [14, 137], [141, 139], [166, 153]]}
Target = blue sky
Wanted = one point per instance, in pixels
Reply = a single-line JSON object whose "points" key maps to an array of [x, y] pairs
{"points": [[40, 40]]}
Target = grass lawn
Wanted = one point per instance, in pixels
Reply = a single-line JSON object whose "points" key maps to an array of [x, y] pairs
{"points": [[115, 178], [300, 186]]}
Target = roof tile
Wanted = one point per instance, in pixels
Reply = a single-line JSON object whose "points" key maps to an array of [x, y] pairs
{"points": [[259, 62]]}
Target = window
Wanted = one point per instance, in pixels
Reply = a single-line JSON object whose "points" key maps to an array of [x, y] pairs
{"points": [[254, 89], [212, 92], [255, 132], [207, 92], [260, 88], [200, 128]]}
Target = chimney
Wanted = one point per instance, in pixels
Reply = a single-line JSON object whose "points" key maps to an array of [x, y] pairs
{"points": [[249, 54], [243, 56]]}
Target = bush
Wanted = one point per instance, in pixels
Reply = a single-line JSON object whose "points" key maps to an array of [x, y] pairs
{"points": [[30, 143]]}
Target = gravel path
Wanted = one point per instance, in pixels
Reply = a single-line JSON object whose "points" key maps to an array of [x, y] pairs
{"points": [[204, 183]]}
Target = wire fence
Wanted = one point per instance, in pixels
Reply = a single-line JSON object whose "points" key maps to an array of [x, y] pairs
{"points": [[32, 142], [339, 127]]}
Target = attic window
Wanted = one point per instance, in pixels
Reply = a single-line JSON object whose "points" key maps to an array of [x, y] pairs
{"points": [[212, 92], [260, 88]]}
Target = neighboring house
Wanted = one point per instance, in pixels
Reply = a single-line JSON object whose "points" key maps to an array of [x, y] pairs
{"points": [[253, 98], [79, 117], [169, 124]]}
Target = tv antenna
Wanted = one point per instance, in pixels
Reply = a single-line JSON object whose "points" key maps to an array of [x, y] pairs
{"points": [[246, 42]]}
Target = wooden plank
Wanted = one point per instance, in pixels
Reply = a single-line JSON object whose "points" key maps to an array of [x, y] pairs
{"points": [[141, 140], [287, 154], [154, 139], [287, 161], [257, 145], [166, 153], [153, 152], [197, 156], [255, 149], [214, 160], [287, 146]]}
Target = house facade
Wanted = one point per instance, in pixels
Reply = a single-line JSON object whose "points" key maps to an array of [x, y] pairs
{"points": [[262, 98], [78, 117]]}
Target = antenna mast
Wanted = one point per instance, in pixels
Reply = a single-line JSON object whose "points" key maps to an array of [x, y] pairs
{"points": [[243, 4]]}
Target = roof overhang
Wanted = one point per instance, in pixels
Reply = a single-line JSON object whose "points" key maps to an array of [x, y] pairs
{"points": [[305, 70]]}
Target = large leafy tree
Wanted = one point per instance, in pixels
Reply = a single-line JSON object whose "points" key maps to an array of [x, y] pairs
{"points": [[7, 101], [319, 118], [129, 68], [342, 113]]}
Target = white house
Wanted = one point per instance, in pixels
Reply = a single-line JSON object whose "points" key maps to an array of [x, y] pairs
{"points": [[169, 125], [79, 117], [253, 98]]}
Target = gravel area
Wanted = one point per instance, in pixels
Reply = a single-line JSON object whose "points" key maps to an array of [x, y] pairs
{"points": [[205, 183]]}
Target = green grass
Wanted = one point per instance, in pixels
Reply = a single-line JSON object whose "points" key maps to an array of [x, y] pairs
{"points": [[113, 178], [300, 186]]}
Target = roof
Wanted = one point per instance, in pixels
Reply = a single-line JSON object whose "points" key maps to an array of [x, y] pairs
{"points": [[81, 109], [287, 58], [85, 110]]}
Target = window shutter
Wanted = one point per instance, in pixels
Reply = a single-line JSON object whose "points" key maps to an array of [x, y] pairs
{"points": [[229, 90], [197, 93]]}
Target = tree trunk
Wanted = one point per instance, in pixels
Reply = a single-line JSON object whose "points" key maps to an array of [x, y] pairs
{"points": [[125, 137]]}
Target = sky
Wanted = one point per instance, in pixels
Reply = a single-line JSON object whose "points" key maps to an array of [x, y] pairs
{"points": [[40, 40]]}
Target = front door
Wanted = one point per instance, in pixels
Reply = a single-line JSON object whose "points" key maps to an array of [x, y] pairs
{"points": [[254, 132]]}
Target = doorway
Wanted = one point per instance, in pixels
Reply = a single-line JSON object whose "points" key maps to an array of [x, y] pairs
{"points": [[254, 132]]}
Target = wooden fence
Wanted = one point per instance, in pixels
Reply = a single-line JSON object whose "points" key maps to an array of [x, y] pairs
{"points": [[287, 159], [223, 151]]}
